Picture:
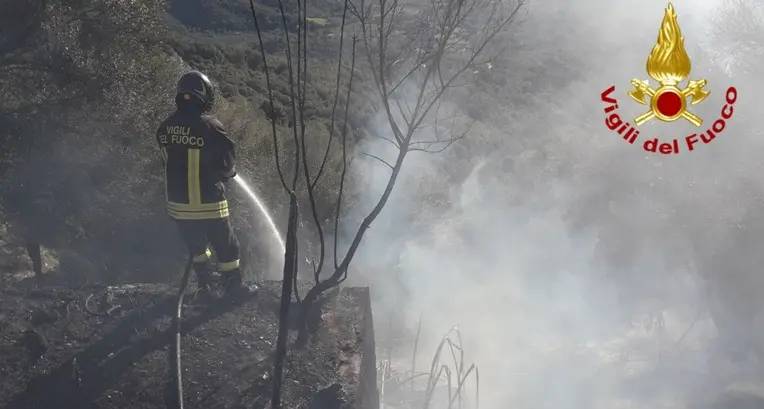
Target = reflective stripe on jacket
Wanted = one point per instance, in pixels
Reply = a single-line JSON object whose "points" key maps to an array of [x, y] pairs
{"points": [[198, 157]]}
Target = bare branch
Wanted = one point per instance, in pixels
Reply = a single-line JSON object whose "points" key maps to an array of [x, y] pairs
{"points": [[344, 158], [311, 184], [482, 45], [447, 144], [379, 67], [336, 96], [403, 114], [292, 99], [274, 133], [406, 76], [354, 10], [379, 159], [392, 142]]}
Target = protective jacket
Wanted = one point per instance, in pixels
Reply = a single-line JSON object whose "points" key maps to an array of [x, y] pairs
{"points": [[198, 157]]}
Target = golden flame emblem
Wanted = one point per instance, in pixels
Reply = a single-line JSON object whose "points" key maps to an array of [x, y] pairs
{"points": [[669, 64]]}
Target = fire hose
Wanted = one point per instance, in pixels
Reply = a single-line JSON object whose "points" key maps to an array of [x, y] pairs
{"points": [[178, 375]]}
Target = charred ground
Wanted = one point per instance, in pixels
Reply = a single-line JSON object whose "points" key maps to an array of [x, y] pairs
{"points": [[107, 347]]}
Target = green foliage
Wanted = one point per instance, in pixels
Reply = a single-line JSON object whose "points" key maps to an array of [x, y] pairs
{"points": [[234, 60], [235, 15]]}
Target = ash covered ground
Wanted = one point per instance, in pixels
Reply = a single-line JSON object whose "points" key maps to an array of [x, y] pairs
{"points": [[102, 347]]}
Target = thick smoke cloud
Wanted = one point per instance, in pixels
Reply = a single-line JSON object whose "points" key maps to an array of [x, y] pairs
{"points": [[557, 234]]}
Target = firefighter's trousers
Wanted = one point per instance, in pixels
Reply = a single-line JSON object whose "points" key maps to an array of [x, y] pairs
{"points": [[220, 235]]}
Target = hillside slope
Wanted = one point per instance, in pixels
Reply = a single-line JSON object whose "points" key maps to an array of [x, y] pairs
{"points": [[219, 38]]}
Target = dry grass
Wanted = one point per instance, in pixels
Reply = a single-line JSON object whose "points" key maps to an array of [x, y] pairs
{"points": [[444, 385]]}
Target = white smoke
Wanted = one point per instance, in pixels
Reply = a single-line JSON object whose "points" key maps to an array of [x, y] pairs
{"points": [[555, 233]]}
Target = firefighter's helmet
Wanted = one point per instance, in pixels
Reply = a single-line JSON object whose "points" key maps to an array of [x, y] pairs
{"points": [[194, 84]]}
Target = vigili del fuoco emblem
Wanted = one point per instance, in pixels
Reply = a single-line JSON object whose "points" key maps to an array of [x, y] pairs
{"points": [[668, 64]]}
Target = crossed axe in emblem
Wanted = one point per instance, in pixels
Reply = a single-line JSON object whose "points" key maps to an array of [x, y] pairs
{"points": [[694, 89]]}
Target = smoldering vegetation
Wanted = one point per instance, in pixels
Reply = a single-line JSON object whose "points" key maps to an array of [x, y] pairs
{"points": [[581, 270]]}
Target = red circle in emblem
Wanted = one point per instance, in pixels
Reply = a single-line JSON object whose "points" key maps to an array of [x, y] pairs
{"points": [[669, 104]]}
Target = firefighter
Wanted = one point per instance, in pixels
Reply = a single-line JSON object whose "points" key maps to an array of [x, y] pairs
{"points": [[198, 158]]}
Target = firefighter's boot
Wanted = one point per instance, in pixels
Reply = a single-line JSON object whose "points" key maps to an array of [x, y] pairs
{"points": [[234, 285], [205, 276]]}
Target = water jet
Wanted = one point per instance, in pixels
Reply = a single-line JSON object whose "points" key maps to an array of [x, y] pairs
{"points": [[263, 210]]}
